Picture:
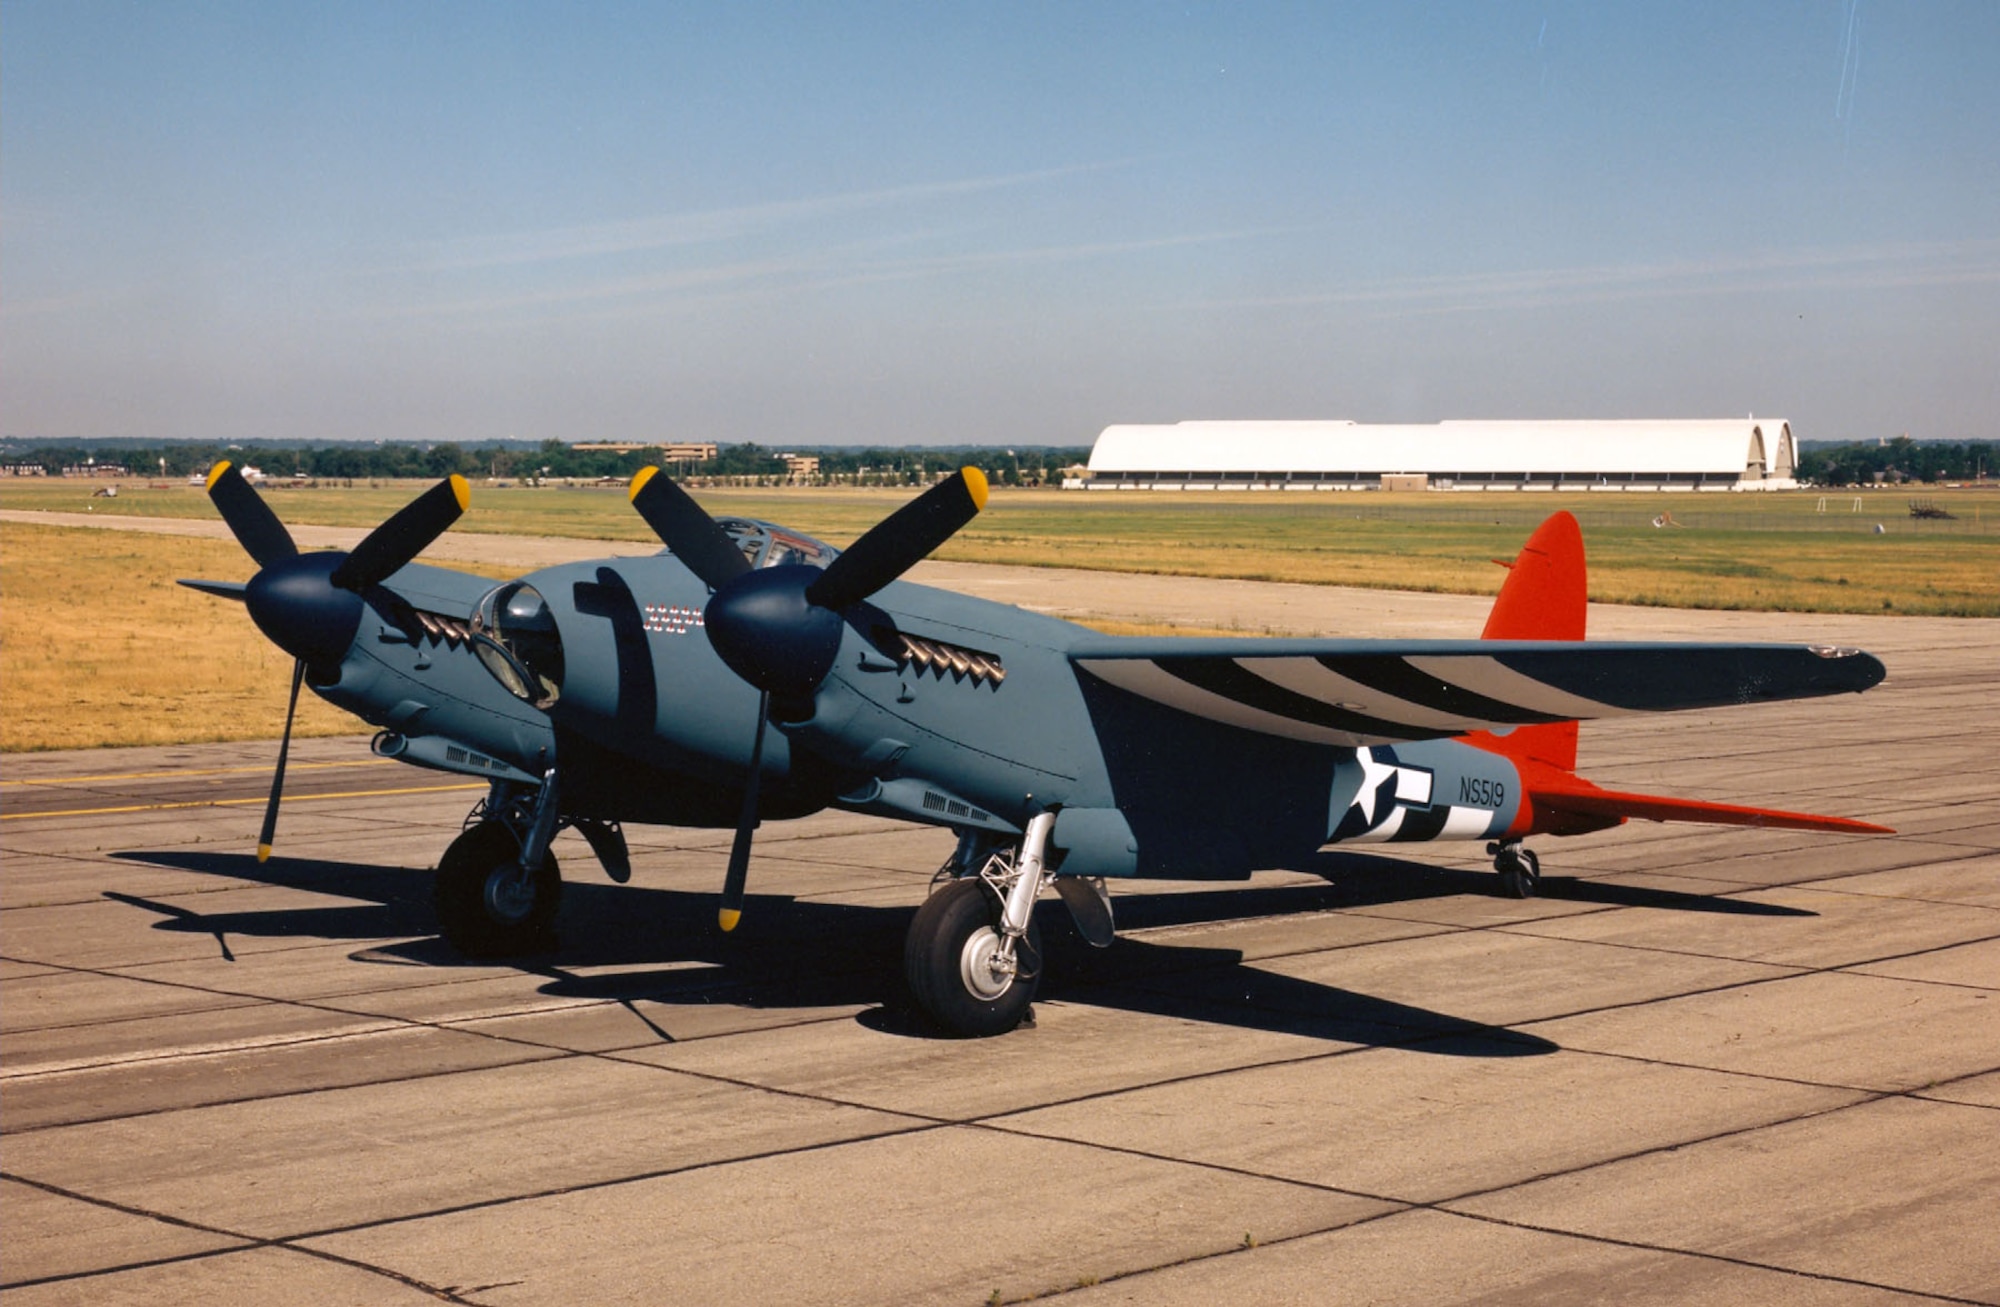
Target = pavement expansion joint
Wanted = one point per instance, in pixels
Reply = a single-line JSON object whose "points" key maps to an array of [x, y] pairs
{"points": [[1249, 1245], [919, 1126], [1723, 1258]]}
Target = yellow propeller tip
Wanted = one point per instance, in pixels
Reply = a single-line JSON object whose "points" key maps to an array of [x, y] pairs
{"points": [[727, 919], [461, 491], [215, 473], [263, 853], [975, 485], [639, 480]]}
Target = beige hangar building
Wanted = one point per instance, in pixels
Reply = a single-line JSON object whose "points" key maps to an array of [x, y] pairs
{"points": [[1638, 454]]}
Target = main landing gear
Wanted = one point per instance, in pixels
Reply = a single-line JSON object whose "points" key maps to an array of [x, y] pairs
{"points": [[1520, 870], [974, 955], [498, 886]]}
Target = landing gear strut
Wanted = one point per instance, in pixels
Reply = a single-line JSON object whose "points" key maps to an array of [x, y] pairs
{"points": [[498, 885], [973, 956], [1520, 870]]}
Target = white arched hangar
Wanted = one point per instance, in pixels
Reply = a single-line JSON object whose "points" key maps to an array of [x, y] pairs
{"points": [[1676, 454]]}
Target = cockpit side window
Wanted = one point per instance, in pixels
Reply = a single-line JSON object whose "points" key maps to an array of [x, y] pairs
{"points": [[516, 638]]}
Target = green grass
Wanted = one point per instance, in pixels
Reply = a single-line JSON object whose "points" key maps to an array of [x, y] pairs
{"points": [[1794, 551]]}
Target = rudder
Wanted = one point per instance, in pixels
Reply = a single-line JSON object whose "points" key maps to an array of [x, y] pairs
{"points": [[1543, 598]]}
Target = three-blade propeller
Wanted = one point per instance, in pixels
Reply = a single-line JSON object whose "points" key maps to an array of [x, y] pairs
{"points": [[310, 604], [779, 628]]}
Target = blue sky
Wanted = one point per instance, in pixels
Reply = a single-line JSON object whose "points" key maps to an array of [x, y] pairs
{"points": [[992, 223]]}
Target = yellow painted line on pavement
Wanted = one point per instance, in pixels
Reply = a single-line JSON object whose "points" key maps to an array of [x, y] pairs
{"points": [[201, 771], [227, 803]]}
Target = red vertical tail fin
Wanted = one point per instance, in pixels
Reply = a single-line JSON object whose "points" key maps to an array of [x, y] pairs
{"points": [[1543, 598]]}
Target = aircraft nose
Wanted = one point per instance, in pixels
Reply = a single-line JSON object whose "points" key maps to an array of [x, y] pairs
{"points": [[294, 602]]}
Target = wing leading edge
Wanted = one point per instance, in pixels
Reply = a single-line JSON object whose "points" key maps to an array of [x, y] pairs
{"points": [[1357, 693]]}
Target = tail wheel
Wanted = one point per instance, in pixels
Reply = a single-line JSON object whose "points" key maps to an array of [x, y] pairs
{"points": [[488, 905], [959, 973], [1520, 874]]}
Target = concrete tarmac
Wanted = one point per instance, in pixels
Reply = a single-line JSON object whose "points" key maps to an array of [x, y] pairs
{"points": [[1706, 1065]]}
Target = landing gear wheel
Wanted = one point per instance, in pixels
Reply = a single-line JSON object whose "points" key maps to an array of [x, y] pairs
{"points": [[487, 905], [958, 972], [1520, 873]]}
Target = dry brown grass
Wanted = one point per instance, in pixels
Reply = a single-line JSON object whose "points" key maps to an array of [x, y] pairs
{"points": [[100, 647]]}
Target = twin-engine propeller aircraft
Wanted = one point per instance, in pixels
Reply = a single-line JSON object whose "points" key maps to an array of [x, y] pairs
{"points": [[749, 672]]}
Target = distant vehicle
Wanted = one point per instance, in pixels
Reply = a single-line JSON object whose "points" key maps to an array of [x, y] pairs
{"points": [[646, 689]]}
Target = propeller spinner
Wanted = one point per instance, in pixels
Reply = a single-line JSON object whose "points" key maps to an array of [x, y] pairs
{"points": [[779, 628]]}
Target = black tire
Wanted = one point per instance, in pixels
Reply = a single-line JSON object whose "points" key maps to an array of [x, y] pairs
{"points": [[1521, 875], [953, 927], [482, 910]]}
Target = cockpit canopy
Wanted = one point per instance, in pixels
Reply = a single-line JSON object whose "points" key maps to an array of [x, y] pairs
{"points": [[515, 636], [767, 545]]}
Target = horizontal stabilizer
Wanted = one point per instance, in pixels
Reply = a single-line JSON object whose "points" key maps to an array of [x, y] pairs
{"points": [[1354, 693], [1581, 798], [221, 589]]}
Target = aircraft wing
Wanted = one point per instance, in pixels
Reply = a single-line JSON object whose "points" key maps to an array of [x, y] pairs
{"points": [[1353, 693]]}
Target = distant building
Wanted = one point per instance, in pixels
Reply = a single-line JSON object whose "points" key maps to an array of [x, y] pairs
{"points": [[95, 469], [1672, 454], [23, 470], [800, 467], [683, 451]]}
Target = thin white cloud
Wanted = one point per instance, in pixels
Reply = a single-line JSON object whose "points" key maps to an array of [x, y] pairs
{"points": [[1874, 267], [663, 231], [825, 269], [948, 263]]}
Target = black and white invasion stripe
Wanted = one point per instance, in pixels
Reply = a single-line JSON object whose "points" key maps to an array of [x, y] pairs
{"points": [[1352, 694]]}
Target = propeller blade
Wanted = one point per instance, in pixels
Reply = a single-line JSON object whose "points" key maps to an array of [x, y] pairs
{"points": [[278, 777], [731, 911], [394, 543], [250, 519], [686, 528], [900, 541]]}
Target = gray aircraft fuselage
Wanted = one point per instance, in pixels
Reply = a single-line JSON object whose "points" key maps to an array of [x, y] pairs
{"points": [[650, 726]]}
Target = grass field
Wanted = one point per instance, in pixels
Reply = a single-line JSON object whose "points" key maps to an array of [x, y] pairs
{"points": [[98, 646], [1798, 551]]}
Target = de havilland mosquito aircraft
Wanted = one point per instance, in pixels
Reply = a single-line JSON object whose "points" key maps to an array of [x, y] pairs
{"points": [[748, 672]]}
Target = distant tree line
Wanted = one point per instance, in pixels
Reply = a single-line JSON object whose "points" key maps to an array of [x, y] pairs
{"points": [[556, 460], [1901, 459]]}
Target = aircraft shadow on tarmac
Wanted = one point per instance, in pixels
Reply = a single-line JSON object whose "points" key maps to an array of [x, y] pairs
{"points": [[803, 953]]}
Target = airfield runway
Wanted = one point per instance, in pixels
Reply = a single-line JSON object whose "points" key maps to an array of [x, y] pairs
{"points": [[1708, 1065]]}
